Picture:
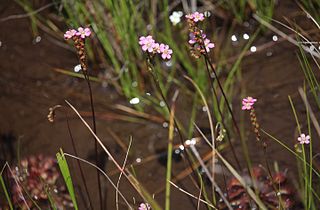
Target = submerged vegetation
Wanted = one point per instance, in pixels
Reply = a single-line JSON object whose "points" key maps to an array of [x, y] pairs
{"points": [[158, 55]]}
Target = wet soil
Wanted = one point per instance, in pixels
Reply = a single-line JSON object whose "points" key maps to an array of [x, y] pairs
{"points": [[29, 86]]}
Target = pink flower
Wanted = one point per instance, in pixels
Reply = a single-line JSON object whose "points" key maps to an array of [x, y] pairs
{"points": [[198, 16], [83, 32], [193, 38], [166, 51], [69, 34], [208, 45], [247, 103], [304, 139], [147, 43], [144, 206]]}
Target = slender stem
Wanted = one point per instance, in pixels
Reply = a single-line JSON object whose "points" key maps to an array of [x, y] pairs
{"points": [[95, 131], [78, 161], [220, 112], [156, 80], [169, 158], [224, 96]]}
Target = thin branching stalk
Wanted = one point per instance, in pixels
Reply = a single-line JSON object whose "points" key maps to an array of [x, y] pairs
{"points": [[157, 83], [205, 168], [123, 167], [236, 175], [85, 74], [193, 196], [133, 181]]}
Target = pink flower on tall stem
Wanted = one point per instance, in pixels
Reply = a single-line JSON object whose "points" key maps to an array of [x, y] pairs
{"points": [[83, 32], [195, 17], [304, 139], [198, 16], [147, 43], [166, 51], [248, 102], [69, 34], [208, 45]]}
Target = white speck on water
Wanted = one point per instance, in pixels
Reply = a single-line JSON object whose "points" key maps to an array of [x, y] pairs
{"points": [[134, 100], [275, 38], [269, 54], [36, 40], [148, 94], [234, 38], [162, 104], [77, 68], [187, 142], [253, 48], [246, 36], [181, 147], [177, 151], [204, 108], [138, 160], [165, 124], [207, 13], [134, 84]]}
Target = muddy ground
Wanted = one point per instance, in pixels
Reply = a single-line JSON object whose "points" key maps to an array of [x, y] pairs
{"points": [[29, 86]]}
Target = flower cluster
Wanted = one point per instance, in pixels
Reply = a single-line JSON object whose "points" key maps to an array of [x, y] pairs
{"points": [[304, 139], [175, 17], [199, 42], [78, 37], [81, 32], [148, 44], [247, 103]]}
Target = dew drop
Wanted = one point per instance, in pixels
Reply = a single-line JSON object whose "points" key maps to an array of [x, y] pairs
{"points": [[253, 48], [138, 160], [234, 38], [207, 13], [134, 100], [77, 68], [274, 38], [246, 36], [204, 108], [165, 124], [36, 40]]}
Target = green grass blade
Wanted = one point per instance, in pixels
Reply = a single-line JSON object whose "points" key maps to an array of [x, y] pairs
{"points": [[62, 162], [6, 192]]}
